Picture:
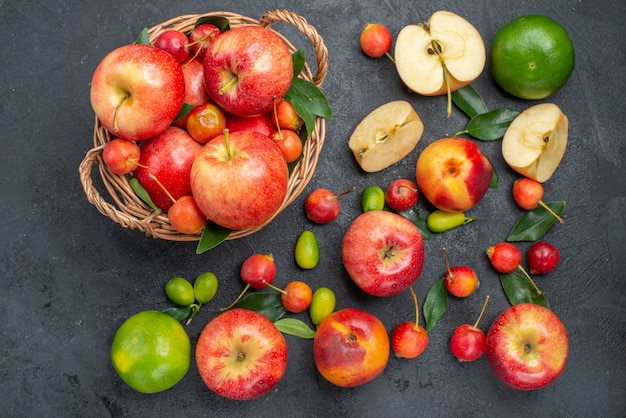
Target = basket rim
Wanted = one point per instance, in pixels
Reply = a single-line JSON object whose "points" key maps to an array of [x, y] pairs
{"points": [[128, 210]]}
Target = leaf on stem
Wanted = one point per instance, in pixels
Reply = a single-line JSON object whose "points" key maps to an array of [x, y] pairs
{"points": [[141, 193], [535, 223], [469, 101], [490, 126], [296, 327], [266, 303], [519, 289], [212, 236], [435, 304]]}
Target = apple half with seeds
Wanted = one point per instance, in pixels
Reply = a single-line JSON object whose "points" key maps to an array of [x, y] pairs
{"points": [[386, 135], [439, 56], [536, 140]]}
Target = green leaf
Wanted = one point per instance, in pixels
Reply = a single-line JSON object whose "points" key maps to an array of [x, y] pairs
{"points": [[490, 126], [222, 23], [141, 193], [435, 304], [519, 290], [469, 101], [179, 313], [309, 101], [535, 223], [212, 236], [184, 111], [293, 326], [266, 303], [143, 37], [495, 178], [298, 58], [418, 220]]}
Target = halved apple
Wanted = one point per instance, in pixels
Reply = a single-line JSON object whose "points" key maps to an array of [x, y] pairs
{"points": [[536, 140], [386, 135], [439, 56]]}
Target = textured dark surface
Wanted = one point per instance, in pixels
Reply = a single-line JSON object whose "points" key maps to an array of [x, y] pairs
{"points": [[70, 276]]}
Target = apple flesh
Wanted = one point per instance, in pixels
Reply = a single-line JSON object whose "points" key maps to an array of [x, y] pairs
{"points": [[386, 135], [439, 56], [241, 355], [535, 142], [453, 174], [239, 179], [382, 252], [137, 91], [246, 69], [527, 346], [165, 165], [351, 347]]}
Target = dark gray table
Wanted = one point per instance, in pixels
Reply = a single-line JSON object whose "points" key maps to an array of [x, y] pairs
{"points": [[70, 276]]}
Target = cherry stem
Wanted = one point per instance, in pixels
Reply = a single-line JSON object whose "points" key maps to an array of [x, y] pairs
{"points": [[153, 177], [276, 119], [546, 207], [350, 190], [417, 311], [481, 312], [390, 57], [245, 289], [137, 163], [520, 268], [445, 258], [271, 286]]}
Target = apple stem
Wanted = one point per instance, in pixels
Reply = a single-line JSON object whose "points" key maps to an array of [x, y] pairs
{"points": [[245, 289], [227, 144], [445, 258], [529, 279], [446, 77], [546, 207], [271, 286], [417, 311], [228, 84], [481, 312], [153, 177]]}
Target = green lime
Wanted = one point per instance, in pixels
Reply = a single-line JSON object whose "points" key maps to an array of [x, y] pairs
{"points": [[180, 291], [322, 304], [205, 287], [151, 351], [372, 198], [307, 252], [532, 57]]}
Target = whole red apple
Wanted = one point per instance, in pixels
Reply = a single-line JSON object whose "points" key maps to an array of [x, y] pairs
{"points": [[241, 355], [453, 174], [165, 164], [383, 252], [260, 123], [527, 346], [401, 194], [239, 179], [137, 91], [246, 69], [351, 347]]}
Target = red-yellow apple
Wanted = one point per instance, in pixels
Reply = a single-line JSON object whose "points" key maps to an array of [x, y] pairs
{"points": [[121, 156], [527, 346], [246, 69], [453, 174], [241, 355], [137, 90], [351, 347], [261, 123], [382, 252], [186, 217], [165, 164], [239, 179]]}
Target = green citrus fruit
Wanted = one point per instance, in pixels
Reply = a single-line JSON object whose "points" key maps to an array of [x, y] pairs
{"points": [[372, 198], [307, 253], [180, 291], [322, 304], [532, 57], [205, 287], [151, 351]]}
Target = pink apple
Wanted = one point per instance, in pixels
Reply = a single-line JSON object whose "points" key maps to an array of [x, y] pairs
{"points": [[527, 346], [168, 158], [383, 252], [121, 156], [453, 174], [137, 91], [260, 123], [241, 355], [246, 69], [239, 179]]}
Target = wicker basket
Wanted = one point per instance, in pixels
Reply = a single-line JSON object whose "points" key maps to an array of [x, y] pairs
{"points": [[131, 212]]}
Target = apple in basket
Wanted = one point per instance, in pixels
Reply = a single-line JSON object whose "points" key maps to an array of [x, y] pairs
{"points": [[246, 69], [137, 91], [239, 179]]}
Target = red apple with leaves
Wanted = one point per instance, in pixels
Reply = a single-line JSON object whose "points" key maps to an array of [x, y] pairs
{"points": [[137, 91], [383, 252], [239, 179], [241, 355], [246, 69]]}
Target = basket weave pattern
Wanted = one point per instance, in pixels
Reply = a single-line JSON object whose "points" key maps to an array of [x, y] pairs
{"points": [[131, 212]]}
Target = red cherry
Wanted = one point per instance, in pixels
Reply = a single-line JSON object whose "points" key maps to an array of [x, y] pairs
{"points": [[543, 257], [257, 271], [468, 342], [527, 193], [401, 195], [175, 43], [504, 257], [461, 281], [409, 339], [375, 40], [322, 205]]}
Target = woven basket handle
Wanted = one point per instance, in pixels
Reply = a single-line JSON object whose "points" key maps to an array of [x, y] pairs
{"points": [[300, 23]]}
